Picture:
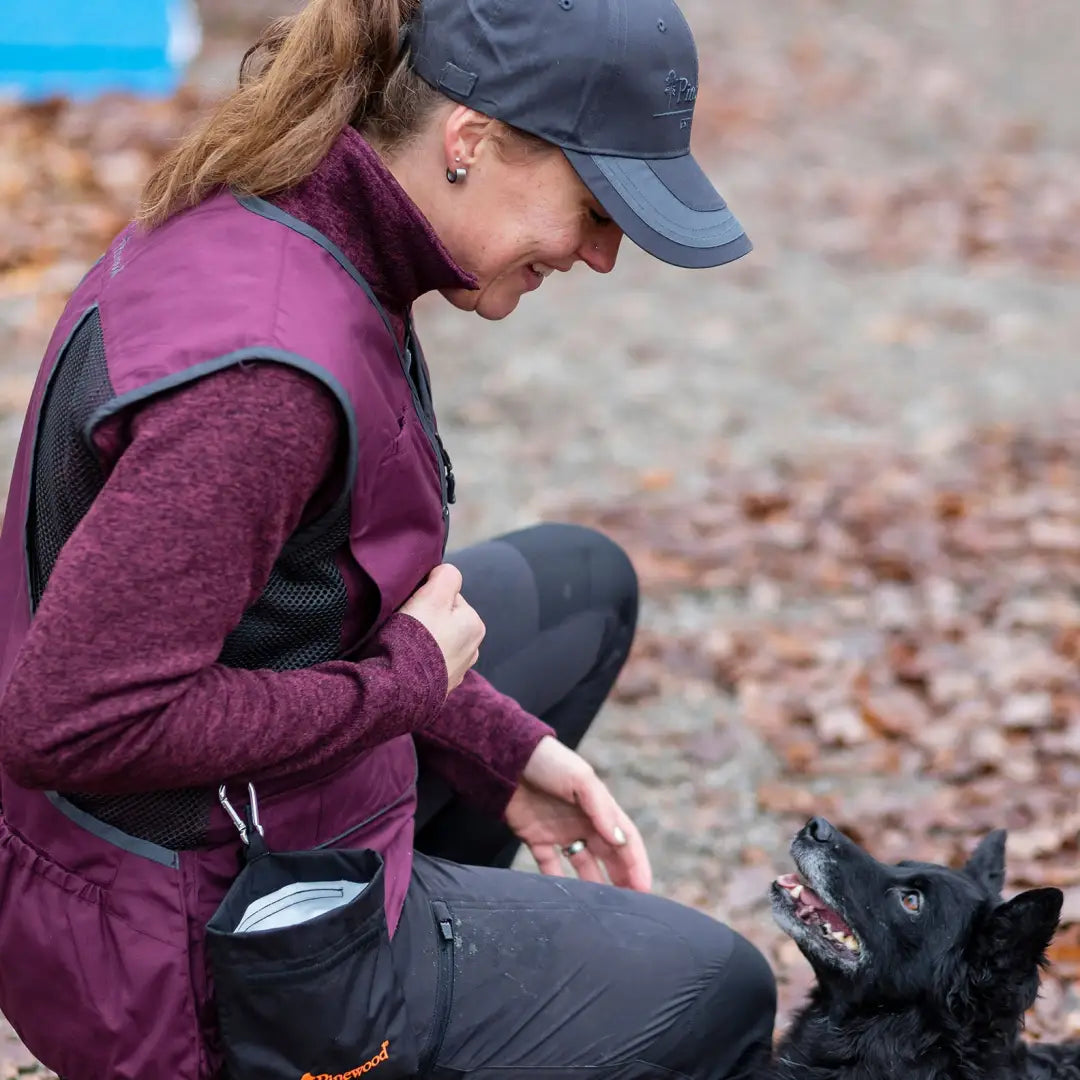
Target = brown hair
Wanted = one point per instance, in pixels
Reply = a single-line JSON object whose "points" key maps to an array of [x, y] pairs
{"points": [[334, 63]]}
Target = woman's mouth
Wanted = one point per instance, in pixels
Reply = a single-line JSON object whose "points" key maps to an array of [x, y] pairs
{"points": [[535, 274]]}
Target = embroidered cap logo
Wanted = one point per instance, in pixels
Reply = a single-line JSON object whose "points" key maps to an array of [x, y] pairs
{"points": [[360, 1070], [681, 94]]}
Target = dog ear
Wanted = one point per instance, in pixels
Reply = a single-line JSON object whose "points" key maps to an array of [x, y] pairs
{"points": [[1020, 930], [1008, 950], [987, 863]]}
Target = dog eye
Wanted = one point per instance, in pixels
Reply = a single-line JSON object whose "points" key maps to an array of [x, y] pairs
{"points": [[912, 901]]}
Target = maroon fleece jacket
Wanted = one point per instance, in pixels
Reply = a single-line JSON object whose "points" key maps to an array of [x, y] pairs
{"points": [[117, 689]]}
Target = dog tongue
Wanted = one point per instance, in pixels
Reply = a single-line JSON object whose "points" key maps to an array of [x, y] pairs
{"points": [[832, 920], [810, 904]]}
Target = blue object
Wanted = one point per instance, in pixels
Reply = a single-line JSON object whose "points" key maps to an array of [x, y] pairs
{"points": [[79, 49]]}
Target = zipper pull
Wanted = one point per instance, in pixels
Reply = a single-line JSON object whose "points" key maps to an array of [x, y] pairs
{"points": [[442, 917], [448, 466]]}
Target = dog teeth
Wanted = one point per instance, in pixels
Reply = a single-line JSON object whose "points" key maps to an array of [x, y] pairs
{"points": [[795, 891], [849, 941]]}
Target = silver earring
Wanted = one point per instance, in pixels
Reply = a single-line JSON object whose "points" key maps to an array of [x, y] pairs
{"points": [[456, 176]]}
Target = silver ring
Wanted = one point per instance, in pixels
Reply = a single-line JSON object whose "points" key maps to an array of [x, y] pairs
{"points": [[576, 848]]}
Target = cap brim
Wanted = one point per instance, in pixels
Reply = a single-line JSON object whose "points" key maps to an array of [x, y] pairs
{"points": [[667, 206]]}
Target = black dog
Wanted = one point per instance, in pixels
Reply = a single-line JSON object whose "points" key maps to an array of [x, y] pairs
{"points": [[923, 973]]}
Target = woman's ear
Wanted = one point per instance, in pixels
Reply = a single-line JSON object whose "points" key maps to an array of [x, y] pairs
{"points": [[465, 135]]}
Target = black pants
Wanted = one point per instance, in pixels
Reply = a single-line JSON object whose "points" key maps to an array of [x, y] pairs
{"points": [[549, 977]]}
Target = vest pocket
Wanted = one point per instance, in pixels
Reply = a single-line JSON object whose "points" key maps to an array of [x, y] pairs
{"points": [[89, 993]]}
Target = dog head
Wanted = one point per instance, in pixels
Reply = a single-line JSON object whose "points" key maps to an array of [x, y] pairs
{"points": [[915, 932]]}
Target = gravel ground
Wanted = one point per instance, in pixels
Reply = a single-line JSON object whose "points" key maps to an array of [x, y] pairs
{"points": [[908, 177]]}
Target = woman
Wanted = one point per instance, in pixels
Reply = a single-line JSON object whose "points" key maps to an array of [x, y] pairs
{"points": [[225, 544]]}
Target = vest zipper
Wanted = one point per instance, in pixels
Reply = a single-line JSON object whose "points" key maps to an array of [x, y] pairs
{"points": [[421, 395], [448, 466]]}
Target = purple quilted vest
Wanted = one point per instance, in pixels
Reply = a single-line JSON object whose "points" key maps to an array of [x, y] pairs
{"points": [[105, 900]]}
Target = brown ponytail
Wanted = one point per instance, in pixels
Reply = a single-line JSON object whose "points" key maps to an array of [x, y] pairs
{"points": [[335, 62]]}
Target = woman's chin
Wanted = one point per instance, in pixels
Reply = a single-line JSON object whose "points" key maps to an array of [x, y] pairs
{"points": [[494, 310], [492, 305]]}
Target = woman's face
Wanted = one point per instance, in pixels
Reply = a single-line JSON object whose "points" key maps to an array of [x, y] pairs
{"points": [[520, 214]]}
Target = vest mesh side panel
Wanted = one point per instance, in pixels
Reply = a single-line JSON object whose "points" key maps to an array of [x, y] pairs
{"points": [[295, 623], [66, 476], [297, 620]]}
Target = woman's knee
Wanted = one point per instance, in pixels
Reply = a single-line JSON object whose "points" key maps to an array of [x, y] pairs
{"points": [[725, 1033], [751, 973], [614, 578], [741, 1004], [574, 560], [738, 976]]}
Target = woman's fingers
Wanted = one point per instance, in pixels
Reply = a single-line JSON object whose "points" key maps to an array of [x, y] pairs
{"points": [[586, 866], [547, 859], [628, 864]]}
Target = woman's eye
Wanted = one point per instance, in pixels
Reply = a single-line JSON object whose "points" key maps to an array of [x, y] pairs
{"points": [[598, 218], [912, 901]]}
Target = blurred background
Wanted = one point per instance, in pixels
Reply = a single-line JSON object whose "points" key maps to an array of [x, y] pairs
{"points": [[847, 466]]}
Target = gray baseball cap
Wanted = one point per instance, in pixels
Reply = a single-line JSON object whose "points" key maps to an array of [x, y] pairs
{"points": [[611, 82]]}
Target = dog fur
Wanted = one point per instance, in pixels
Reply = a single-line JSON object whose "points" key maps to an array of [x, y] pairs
{"points": [[923, 973]]}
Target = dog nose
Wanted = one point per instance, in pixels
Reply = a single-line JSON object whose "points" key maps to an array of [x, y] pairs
{"points": [[820, 830]]}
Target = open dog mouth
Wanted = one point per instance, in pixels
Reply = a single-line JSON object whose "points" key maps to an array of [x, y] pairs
{"points": [[818, 918]]}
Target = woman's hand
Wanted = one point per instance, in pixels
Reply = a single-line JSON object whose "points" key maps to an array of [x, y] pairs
{"points": [[559, 801], [448, 617]]}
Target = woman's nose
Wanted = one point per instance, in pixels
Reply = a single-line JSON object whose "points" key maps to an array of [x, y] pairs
{"points": [[601, 251]]}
